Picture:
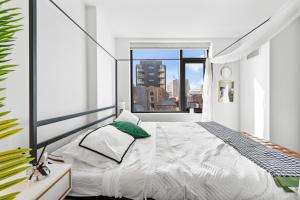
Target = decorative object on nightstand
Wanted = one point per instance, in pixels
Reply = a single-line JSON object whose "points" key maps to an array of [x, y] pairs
{"points": [[55, 186], [39, 169]]}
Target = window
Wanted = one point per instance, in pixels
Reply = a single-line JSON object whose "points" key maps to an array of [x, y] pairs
{"points": [[194, 53], [194, 73], [167, 80]]}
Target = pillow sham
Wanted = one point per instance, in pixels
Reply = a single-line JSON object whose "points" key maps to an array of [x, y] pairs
{"points": [[109, 142], [127, 116], [131, 129], [99, 147]]}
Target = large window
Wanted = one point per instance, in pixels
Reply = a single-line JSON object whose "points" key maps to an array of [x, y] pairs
{"points": [[167, 80]]}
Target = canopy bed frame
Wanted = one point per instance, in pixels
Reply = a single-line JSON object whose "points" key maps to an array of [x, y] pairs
{"points": [[34, 123]]}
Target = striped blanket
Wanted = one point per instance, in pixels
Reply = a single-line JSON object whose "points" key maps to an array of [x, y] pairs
{"points": [[276, 163]]}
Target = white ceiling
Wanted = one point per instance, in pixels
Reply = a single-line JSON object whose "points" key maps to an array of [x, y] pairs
{"points": [[185, 18]]}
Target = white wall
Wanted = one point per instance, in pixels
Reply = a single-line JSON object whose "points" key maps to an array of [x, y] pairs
{"points": [[92, 60], [106, 65], [285, 87], [226, 114], [254, 93], [100, 66], [17, 84], [122, 52]]}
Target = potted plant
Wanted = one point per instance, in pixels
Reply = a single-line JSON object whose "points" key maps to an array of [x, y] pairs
{"points": [[12, 162]]}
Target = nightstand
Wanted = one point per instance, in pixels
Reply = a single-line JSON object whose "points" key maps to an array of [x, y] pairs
{"points": [[54, 187]]}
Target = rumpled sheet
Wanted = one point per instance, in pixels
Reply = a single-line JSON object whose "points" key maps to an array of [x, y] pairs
{"points": [[179, 161]]}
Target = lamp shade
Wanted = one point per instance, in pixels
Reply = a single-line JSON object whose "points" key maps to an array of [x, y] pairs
{"points": [[123, 105]]}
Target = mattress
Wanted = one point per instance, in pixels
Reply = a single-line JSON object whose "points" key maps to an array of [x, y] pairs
{"points": [[179, 161]]}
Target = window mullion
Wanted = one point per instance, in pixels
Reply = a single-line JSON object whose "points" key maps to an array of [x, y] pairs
{"points": [[131, 82], [182, 83]]}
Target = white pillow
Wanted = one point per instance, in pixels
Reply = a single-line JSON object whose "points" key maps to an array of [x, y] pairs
{"points": [[100, 147], [127, 116]]}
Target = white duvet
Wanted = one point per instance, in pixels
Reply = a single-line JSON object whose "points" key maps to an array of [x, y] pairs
{"points": [[179, 161]]}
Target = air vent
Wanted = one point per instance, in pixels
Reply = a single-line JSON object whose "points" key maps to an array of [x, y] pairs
{"points": [[253, 54]]}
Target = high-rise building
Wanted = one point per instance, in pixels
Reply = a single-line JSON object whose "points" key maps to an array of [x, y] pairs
{"points": [[151, 73], [187, 87], [173, 88]]}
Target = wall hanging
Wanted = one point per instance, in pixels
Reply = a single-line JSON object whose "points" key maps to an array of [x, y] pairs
{"points": [[226, 91]]}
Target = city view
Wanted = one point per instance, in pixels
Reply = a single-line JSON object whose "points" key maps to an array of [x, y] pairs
{"points": [[156, 83]]}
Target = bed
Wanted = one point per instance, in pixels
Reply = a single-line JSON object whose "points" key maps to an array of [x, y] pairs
{"points": [[179, 161]]}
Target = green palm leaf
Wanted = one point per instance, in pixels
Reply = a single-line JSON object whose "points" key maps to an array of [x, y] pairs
{"points": [[7, 126], [5, 49], [6, 71], [6, 38], [14, 164], [9, 196], [15, 151], [6, 45], [7, 60], [10, 158], [7, 66], [4, 1], [3, 73], [11, 183], [9, 133], [8, 17], [8, 27], [13, 172], [4, 113], [9, 9], [7, 22], [8, 34], [8, 121]]}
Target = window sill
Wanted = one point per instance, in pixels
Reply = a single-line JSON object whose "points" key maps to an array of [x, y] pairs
{"points": [[170, 117]]}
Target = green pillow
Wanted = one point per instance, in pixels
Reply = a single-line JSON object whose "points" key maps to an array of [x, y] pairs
{"points": [[131, 129]]}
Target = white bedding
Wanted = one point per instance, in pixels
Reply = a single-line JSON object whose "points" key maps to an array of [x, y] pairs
{"points": [[179, 161]]}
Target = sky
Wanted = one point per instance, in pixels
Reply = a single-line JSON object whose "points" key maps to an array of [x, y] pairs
{"points": [[194, 72]]}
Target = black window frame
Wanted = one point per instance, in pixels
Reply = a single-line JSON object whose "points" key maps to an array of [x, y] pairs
{"points": [[182, 62]]}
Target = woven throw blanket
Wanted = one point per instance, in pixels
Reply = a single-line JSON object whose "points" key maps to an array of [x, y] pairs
{"points": [[274, 162]]}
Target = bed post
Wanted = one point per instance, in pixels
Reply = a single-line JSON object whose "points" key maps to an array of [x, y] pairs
{"points": [[116, 87], [33, 77]]}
